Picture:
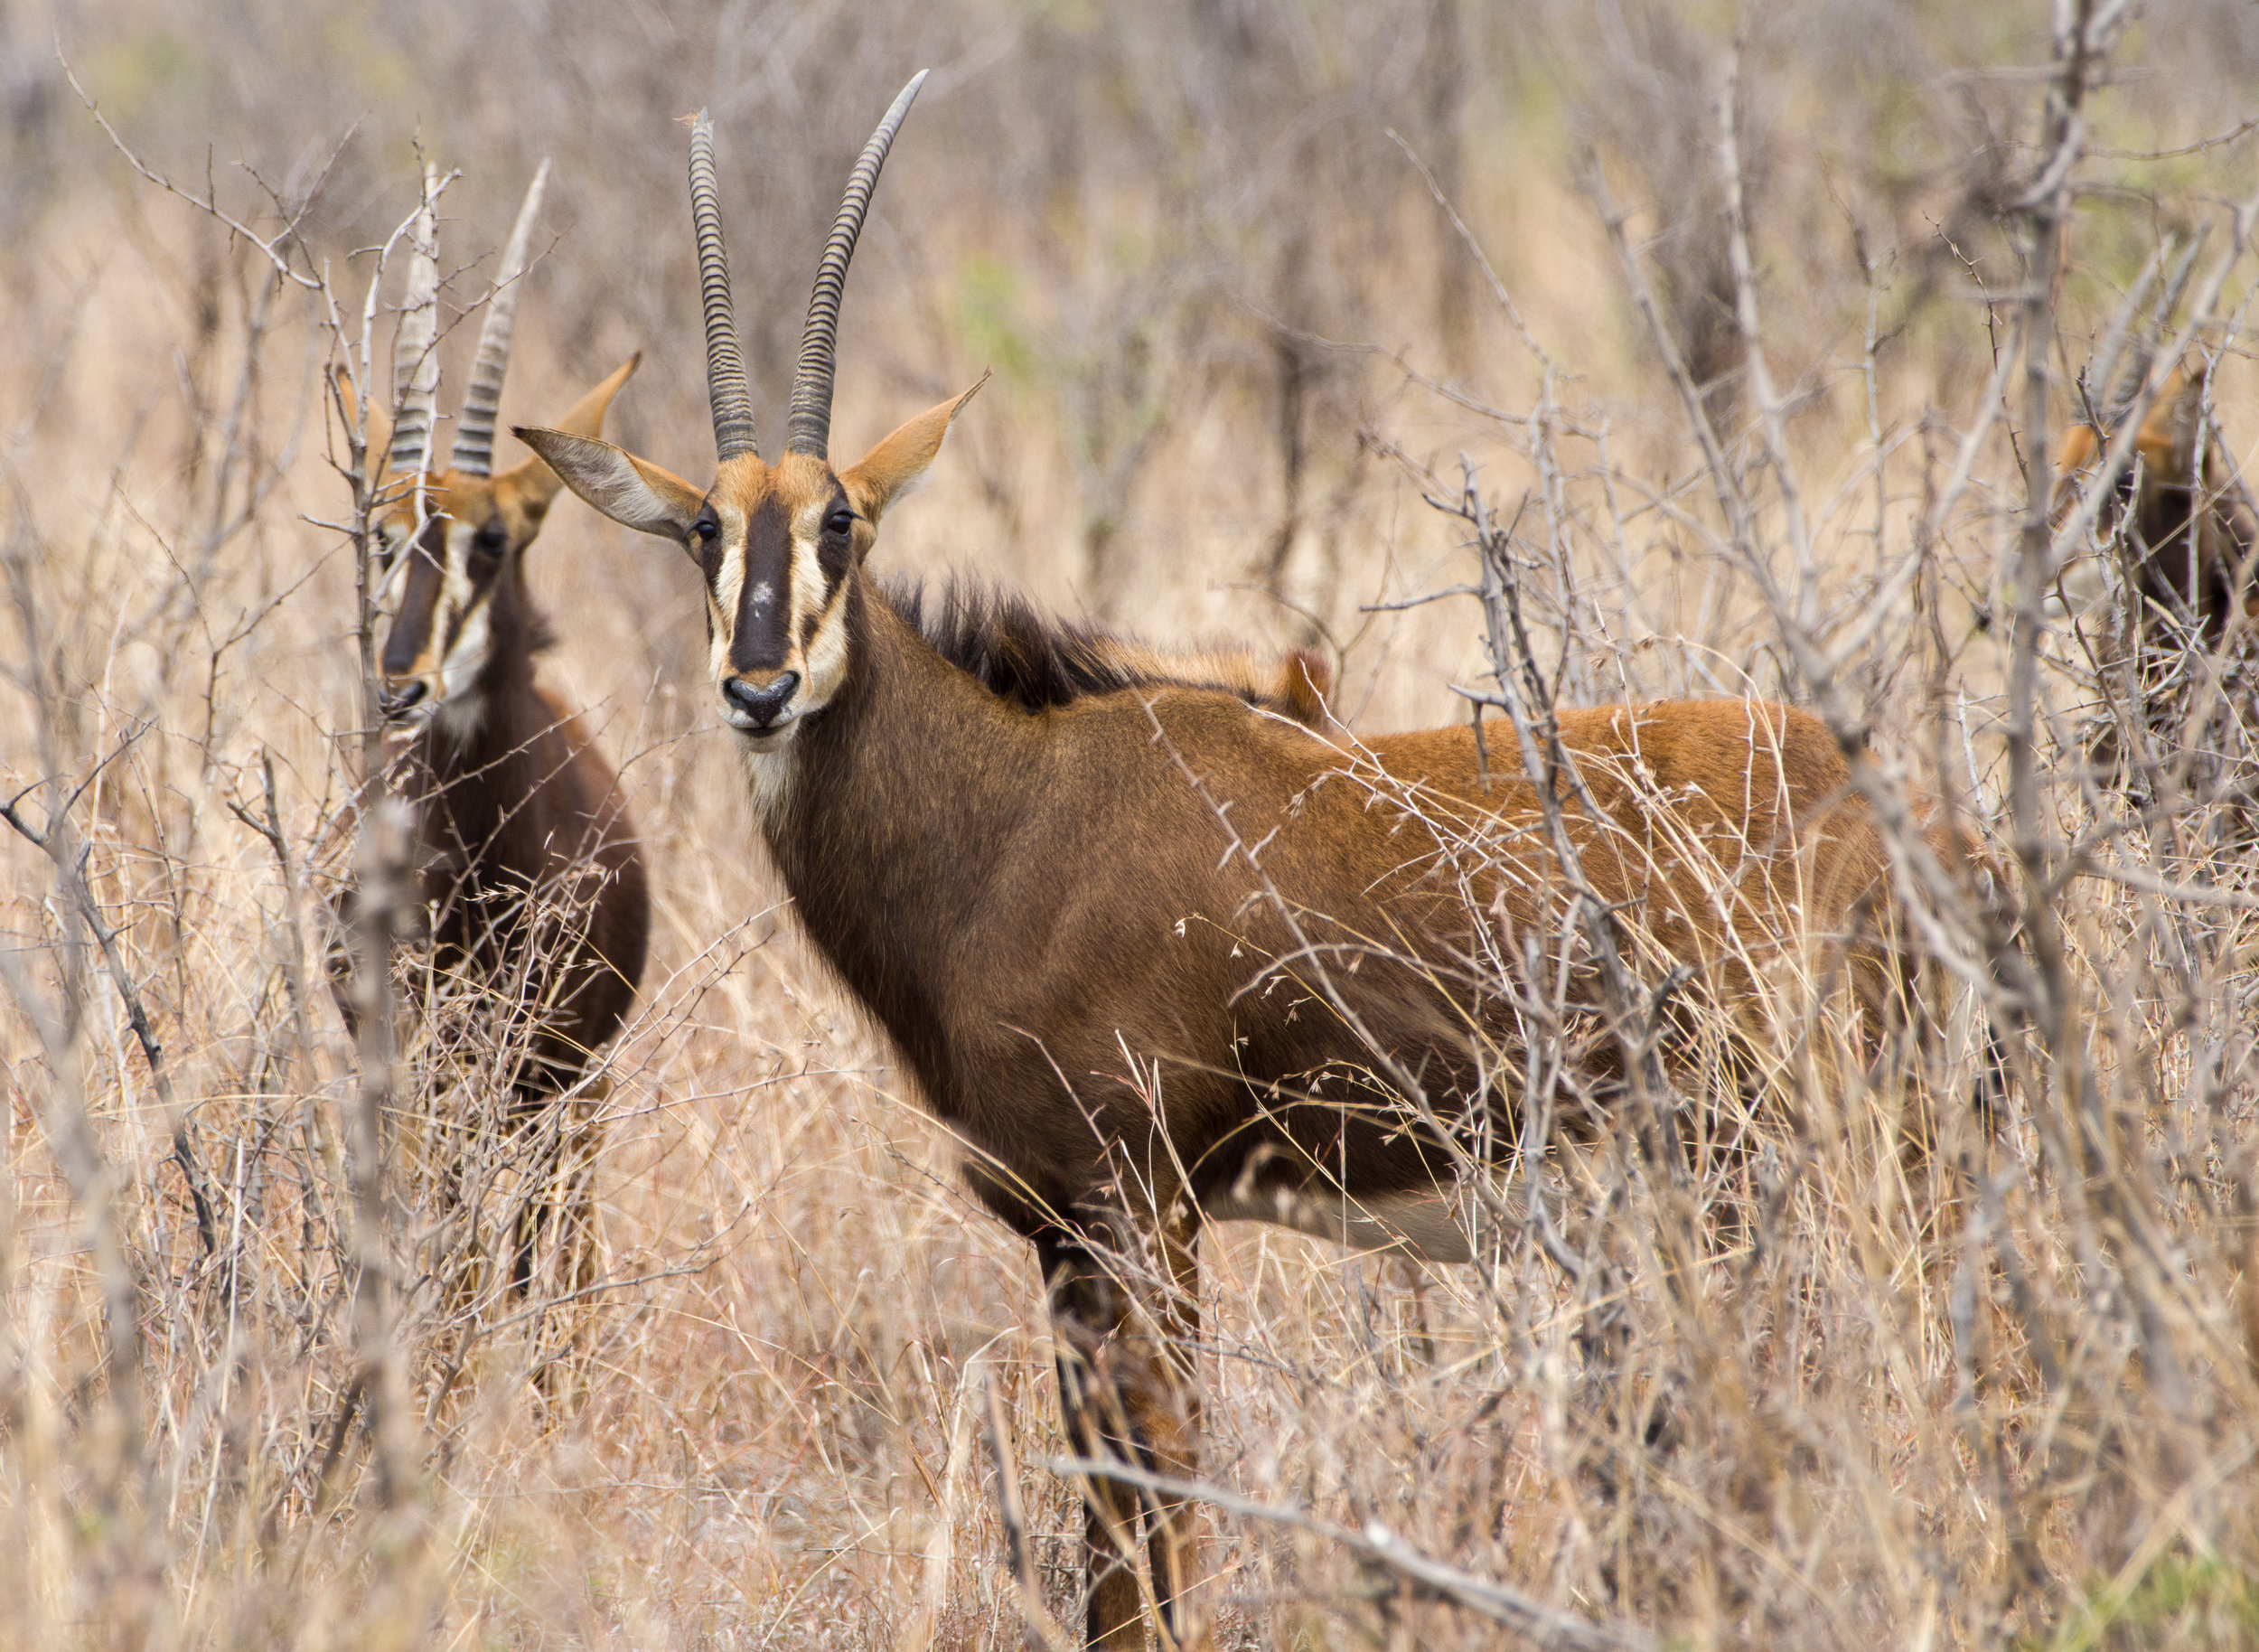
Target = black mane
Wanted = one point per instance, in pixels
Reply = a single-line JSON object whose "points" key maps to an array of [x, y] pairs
{"points": [[1037, 660]]}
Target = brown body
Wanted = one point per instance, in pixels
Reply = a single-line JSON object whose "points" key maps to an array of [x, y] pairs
{"points": [[529, 868], [531, 879], [1145, 931], [1029, 892], [1038, 662], [2180, 525], [1046, 915]]}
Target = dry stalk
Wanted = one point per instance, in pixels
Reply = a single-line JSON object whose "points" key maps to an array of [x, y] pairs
{"points": [[1529, 1620]]}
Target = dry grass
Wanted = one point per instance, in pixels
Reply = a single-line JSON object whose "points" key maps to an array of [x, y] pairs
{"points": [[1998, 1391]]}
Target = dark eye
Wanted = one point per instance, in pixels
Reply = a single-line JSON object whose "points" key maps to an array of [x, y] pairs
{"points": [[488, 540], [705, 529], [840, 521]]}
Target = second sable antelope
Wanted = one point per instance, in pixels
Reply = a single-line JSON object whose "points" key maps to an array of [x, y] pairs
{"points": [[2178, 522], [1148, 940], [528, 867], [2181, 513]]}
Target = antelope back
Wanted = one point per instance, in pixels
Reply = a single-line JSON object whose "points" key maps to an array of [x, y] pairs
{"points": [[1299, 684], [1037, 662]]}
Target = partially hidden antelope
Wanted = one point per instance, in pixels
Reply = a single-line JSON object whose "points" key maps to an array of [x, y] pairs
{"points": [[2179, 526], [2180, 512], [531, 879], [1145, 931]]}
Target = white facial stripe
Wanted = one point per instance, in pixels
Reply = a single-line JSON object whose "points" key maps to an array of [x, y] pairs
{"points": [[461, 707], [446, 602], [460, 668], [824, 660], [807, 590], [729, 584], [769, 774], [456, 584], [461, 623], [814, 622]]}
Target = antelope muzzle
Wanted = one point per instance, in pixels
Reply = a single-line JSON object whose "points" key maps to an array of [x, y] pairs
{"points": [[403, 700], [759, 704], [414, 683]]}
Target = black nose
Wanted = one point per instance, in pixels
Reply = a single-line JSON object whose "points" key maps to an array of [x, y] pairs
{"points": [[761, 705], [393, 702]]}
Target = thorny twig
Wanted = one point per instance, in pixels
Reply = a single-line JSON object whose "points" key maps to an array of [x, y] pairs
{"points": [[269, 248], [55, 841], [1632, 1012]]}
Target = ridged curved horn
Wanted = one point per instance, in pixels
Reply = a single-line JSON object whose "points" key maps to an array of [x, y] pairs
{"points": [[808, 429], [474, 434], [724, 362], [415, 360]]}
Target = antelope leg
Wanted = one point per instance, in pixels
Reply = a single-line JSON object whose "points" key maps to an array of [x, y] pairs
{"points": [[1127, 1393]]}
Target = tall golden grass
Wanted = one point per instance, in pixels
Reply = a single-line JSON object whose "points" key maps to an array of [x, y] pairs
{"points": [[1997, 1391]]}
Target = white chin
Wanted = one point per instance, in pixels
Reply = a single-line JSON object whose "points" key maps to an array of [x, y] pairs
{"points": [[459, 715], [773, 738]]}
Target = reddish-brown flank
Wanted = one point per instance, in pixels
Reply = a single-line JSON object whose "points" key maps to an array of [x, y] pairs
{"points": [[1029, 901]]}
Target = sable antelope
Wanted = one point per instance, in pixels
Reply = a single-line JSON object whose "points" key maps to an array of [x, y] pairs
{"points": [[530, 872], [1040, 865], [2188, 525], [2186, 542]]}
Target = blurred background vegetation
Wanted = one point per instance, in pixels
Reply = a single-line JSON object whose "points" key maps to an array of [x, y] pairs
{"points": [[1235, 336], [1189, 235]]}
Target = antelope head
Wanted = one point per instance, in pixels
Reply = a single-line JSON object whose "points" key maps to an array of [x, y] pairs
{"points": [[777, 544], [453, 540]]}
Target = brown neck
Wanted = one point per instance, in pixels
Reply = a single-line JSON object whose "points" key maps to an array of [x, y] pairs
{"points": [[919, 769], [479, 763]]}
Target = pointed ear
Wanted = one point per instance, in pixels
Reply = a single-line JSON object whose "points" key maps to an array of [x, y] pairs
{"points": [[630, 491], [534, 481], [380, 432], [2166, 440], [2080, 444], [585, 416], [899, 462]]}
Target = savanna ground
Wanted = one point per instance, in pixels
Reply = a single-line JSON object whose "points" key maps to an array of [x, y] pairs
{"points": [[1998, 1391]]}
